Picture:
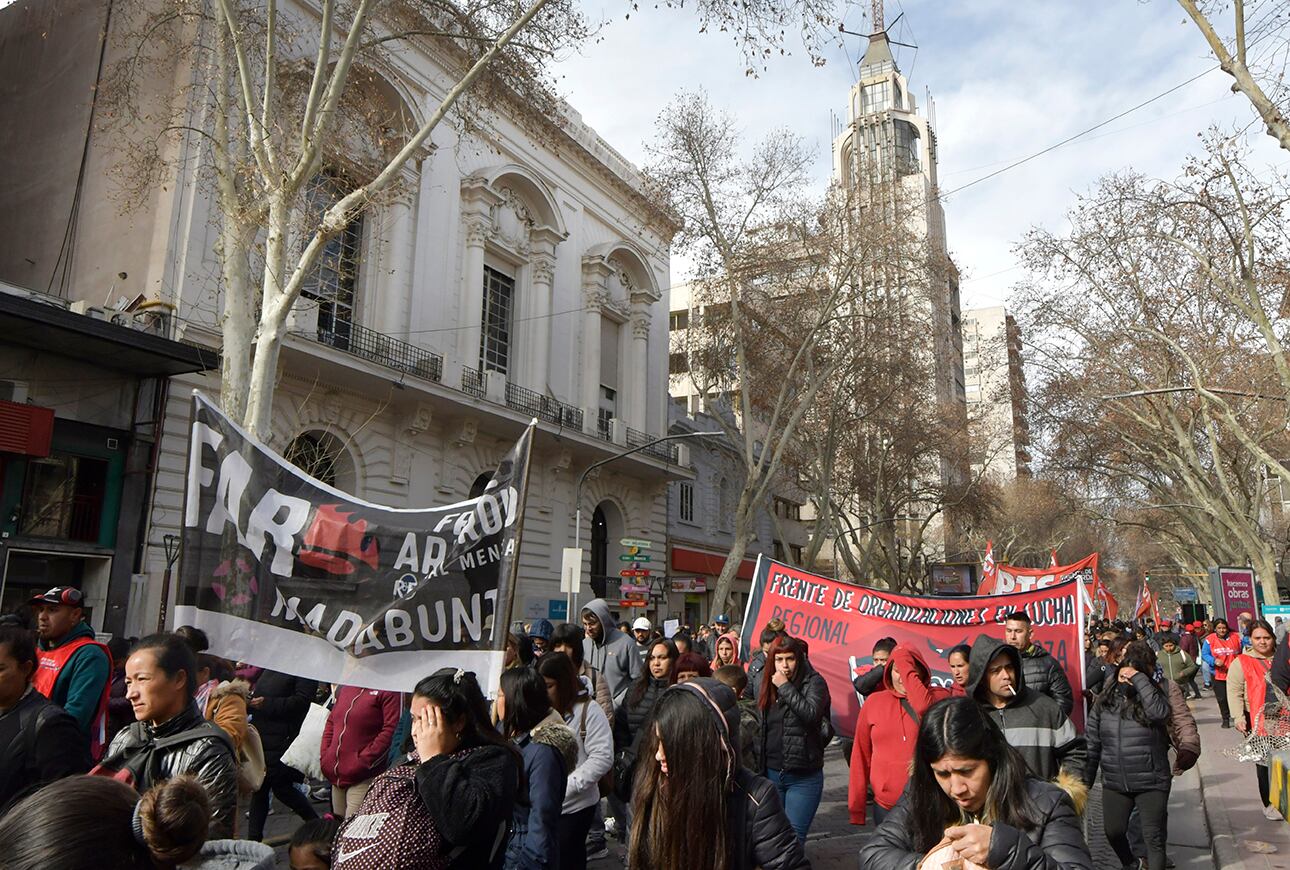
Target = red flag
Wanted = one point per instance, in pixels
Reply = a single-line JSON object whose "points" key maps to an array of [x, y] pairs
{"points": [[1053, 562], [1146, 601], [989, 571], [1110, 607]]}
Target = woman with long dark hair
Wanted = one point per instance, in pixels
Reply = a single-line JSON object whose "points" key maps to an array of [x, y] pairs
{"points": [[696, 806], [971, 798], [550, 754], [1247, 694], [794, 700], [632, 716], [571, 699], [1128, 736]]}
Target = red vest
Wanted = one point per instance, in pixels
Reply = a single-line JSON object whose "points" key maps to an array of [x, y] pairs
{"points": [[1230, 645], [49, 664], [1256, 690]]}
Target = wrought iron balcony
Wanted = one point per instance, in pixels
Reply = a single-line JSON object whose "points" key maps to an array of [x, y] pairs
{"points": [[472, 382], [543, 407], [382, 349], [666, 451]]}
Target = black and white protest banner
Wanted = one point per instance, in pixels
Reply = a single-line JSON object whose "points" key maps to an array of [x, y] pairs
{"points": [[285, 572]]}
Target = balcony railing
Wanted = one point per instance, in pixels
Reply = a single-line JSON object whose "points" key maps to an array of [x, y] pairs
{"points": [[382, 349], [665, 451], [543, 407], [472, 382]]}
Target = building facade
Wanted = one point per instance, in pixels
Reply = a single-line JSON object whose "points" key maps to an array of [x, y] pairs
{"points": [[519, 274], [996, 393]]}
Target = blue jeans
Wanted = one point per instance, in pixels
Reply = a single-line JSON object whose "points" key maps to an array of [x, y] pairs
{"points": [[800, 793]]}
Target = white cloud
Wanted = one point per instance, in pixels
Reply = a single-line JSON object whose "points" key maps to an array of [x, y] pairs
{"points": [[1009, 79]]}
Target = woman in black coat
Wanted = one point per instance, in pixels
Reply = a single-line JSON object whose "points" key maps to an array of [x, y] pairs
{"points": [[278, 708], [39, 741], [1128, 736], [696, 806], [970, 797], [637, 708], [794, 702]]}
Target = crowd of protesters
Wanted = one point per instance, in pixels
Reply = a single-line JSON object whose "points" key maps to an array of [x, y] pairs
{"points": [[688, 754]]}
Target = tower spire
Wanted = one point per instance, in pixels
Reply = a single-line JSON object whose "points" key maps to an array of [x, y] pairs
{"points": [[876, 13]]}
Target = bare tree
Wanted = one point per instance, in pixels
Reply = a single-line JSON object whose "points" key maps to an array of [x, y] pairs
{"points": [[278, 92], [1162, 376], [1255, 56]]}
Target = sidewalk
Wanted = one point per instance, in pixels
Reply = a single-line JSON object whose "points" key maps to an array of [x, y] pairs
{"points": [[1241, 837]]}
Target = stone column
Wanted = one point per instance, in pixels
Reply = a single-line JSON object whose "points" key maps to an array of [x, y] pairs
{"points": [[475, 229], [537, 329], [595, 292], [639, 373], [395, 296]]}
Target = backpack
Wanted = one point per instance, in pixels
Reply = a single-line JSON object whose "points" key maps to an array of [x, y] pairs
{"points": [[393, 830], [139, 766]]}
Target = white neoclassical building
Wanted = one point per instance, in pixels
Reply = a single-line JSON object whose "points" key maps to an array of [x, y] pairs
{"points": [[517, 276]]}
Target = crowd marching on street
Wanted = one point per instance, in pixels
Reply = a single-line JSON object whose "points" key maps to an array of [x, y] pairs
{"points": [[673, 746]]}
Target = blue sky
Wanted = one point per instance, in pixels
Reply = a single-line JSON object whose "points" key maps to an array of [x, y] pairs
{"points": [[1008, 80]]}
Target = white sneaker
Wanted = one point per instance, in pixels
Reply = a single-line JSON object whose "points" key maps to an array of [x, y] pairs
{"points": [[1272, 814]]}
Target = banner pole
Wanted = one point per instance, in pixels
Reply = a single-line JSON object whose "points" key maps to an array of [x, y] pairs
{"points": [[519, 539]]}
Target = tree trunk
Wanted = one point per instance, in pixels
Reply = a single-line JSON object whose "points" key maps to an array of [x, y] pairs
{"points": [[726, 580], [273, 315]]}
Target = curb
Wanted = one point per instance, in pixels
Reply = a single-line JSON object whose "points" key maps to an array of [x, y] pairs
{"points": [[1222, 841]]}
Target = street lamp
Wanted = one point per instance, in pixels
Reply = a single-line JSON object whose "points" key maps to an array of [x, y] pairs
{"points": [[170, 543], [572, 597]]}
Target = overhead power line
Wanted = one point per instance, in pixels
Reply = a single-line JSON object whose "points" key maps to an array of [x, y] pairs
{"points": [[1078, 135]]}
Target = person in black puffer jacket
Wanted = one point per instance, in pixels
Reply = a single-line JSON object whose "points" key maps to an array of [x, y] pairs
{"points": [[1041, 671], [637, 708], [971, 797], [278, 709], [171, 736], [1128, 737], [794, 702], [690, 772]]}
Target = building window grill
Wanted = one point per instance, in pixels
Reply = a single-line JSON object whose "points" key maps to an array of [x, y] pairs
{"points": [[495, 339]]}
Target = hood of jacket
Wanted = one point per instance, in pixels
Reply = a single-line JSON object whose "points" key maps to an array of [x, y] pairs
{"points": [[721, 702], [552, 732], [608, 631], [1034, 651], [80, 629], [734, 643], [919, 662], [984, 649], [232, 855], [542, 628], [232, 687]]}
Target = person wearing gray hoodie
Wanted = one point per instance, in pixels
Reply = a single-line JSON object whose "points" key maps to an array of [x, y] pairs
{"points": [[608, 650]]}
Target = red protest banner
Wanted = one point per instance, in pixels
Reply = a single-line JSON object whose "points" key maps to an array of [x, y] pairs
{"points": [[841, 622]]}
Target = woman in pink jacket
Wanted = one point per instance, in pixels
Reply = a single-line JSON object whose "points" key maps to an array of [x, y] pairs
{"points": [[356, 743]]}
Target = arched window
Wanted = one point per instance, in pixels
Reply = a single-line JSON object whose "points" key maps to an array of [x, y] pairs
{"points": [[321, 455], [334, 279]]}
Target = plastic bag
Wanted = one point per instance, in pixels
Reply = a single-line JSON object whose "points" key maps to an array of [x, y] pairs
{"points": [[305, 752]]}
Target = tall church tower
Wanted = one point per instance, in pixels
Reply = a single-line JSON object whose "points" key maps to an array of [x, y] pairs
{"points": [[886, 137]]}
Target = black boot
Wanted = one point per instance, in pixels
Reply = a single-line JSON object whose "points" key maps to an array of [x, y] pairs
{"points": [[1227, 723]]}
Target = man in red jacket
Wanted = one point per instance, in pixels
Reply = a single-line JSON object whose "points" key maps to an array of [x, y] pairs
{"points": [[356, 743], [886, 731]]}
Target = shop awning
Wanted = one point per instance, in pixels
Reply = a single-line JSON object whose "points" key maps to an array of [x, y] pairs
{"points": [[688, 561]]}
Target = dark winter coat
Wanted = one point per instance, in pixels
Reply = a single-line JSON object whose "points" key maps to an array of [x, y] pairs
{"points": [[1033, 723], [1133, 757], [1184, 736], [357, 737], [1096, 676], [471, 799], [209, 758], [550, 753], [286, 703], [1045, 676], [39, 743], [1057, 844], [869, 682], [631, 716], [757, 829], [792, 725]]}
